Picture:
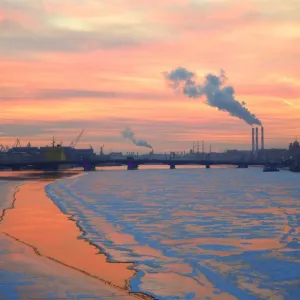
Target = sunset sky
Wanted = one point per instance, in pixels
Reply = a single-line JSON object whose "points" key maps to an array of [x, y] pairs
{"points": [[98, 65]]}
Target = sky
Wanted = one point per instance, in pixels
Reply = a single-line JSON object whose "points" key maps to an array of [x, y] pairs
{"points": [[99, 65]]}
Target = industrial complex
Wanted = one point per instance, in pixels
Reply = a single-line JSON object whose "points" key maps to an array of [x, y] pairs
{"points": [[29, 157]]}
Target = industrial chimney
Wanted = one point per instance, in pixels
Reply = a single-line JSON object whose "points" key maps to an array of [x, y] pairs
{"points": [[253, 143], [256, 138], [262, 139]]}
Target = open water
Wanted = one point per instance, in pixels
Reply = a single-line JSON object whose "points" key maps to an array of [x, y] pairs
{"points": [[220, 233]]}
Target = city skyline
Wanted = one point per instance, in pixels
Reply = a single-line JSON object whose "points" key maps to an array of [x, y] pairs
{"points": [[99, 65]]}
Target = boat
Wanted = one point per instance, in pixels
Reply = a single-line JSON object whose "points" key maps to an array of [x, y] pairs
{"points": [[270, 169], [295, 168]]}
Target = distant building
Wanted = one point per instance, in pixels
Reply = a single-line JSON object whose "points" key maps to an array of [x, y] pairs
{"points": [[116, 155], [27, 150], [237, 155], [294, 151], [294, 148]]}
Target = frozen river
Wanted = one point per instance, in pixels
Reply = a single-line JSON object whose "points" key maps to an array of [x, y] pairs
{"points": [[194, 233]]}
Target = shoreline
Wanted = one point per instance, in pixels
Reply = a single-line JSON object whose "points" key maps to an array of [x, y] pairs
{"points": [[107, 255], [67, 245], [12, 203]]}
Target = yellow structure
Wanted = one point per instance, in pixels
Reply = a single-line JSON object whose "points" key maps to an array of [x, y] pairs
{"points": [[54, 154]]}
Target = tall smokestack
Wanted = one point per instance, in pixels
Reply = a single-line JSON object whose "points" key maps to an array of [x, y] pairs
{"points": [[253, 143], [262, 139], [256, 138]]}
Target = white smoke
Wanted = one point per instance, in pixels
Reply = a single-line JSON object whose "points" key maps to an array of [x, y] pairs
{"points": [[217, 95], [127, 133]]}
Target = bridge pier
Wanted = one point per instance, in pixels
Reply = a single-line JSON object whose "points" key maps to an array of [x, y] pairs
{"points": [[132, 166], [207, 166], [89, 167], [172, 167]]}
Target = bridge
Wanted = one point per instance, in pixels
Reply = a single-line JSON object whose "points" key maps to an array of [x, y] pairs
{"points": [[131, 163]]}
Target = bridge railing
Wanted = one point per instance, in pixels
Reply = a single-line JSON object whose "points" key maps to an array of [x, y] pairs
{"points": [[17, 158], [13, 159]]}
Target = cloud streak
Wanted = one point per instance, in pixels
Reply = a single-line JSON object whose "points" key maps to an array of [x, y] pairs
{"points": [[75, 35], [10, 94], [289, 103]]}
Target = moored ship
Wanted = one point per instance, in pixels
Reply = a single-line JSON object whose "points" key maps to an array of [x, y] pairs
{"points": [[270, 168]]}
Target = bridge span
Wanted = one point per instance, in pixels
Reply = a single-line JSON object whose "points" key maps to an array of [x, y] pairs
{"points": [[132, 164]]}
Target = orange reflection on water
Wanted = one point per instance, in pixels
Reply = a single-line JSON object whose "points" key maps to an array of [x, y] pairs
{"points": [[182, 285], [185, 214], [38, 222], [111, 232], [245, 244], [38, 277]]}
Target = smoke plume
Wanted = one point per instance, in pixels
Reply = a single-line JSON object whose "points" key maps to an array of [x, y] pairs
{"points": [[128, 134], [217, 95]]}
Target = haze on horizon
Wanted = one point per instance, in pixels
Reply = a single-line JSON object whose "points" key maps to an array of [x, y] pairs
{"points": [[99, 65]]}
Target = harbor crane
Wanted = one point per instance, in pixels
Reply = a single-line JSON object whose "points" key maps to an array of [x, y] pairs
{"points": [[76, 140], [53, 142], [17, 144], [4, 148], [101, 149]]}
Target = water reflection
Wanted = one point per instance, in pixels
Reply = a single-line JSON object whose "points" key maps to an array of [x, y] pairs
{"points": [[36, 221], [36, 175], [196, 233]]}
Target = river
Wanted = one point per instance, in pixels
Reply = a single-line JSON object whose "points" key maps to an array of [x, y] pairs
{"points": [[219, 233]]}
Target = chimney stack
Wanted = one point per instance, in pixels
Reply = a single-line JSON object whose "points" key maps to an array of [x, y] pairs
{"points": [[253, 142], [262, 139], [256, 138]]}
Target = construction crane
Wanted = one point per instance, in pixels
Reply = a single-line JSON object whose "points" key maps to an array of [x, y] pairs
{"points": [[101, 149], [53, 142], [76, 140], [17, 144]]}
